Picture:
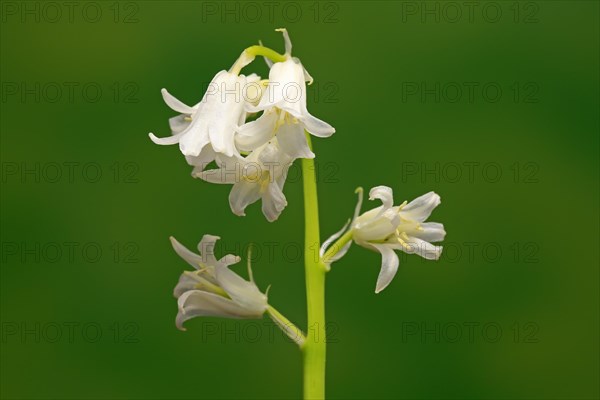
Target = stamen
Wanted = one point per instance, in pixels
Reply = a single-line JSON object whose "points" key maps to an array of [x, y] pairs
{"points": [[402, 238], [401, 206]]}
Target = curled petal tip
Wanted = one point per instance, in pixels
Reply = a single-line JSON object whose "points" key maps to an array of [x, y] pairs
{"points": [[165, 140]]}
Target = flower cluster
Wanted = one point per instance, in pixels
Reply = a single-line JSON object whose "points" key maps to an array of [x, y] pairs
{"points": [[253, 129], [388, 228], [213, 289], [252, 155]]}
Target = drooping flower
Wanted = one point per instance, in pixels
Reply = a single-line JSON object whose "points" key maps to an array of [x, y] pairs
{"points": [[209, 126], [388, 228], [285, 113], [213, 289], [260, 175]]}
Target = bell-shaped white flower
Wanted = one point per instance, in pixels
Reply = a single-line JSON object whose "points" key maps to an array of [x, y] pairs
{"points": [[260, 175], [209, 126], [285, 113], [213, 289], [388, 228]]}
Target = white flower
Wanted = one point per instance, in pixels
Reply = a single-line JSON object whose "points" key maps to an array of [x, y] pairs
{"points": [[285, 113], [261, 175], [213, 289], [388, 228], [210, 125]]}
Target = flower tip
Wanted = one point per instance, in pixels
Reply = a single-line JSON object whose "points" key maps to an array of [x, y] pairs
{"points": [[438, 253], [379, 289], [359, 190]]}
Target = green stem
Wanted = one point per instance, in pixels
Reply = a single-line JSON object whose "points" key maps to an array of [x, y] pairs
{"points": [[263, 51], [287, 326], [252, 52], [314, 348]]}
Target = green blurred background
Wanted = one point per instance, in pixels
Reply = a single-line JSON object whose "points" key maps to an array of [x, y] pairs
{"points": [[88, 202]]}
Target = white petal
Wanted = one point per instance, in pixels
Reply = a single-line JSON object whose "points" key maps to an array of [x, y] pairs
{"points": [[252, 78], [307, 77], [256, 133], [292, 141], [206, 156], [375, 224], [179, 123], [315, 126], [166, 140], [223, 140], [214, 176], [229, 173], [187, 282], [206, 247], [389, 266], [222, 107], [420, 208], [332, 238], [273, 202], [383, 193], [196, 303], [243, 194], [229, 259], [242, 292], [286, 89], [194, 137], [430, 232], [424, 249], [175, 104], [192, 258], [272, 157]]}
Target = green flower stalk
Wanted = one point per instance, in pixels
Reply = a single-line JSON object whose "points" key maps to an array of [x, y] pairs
{"points": [[315, 346]]}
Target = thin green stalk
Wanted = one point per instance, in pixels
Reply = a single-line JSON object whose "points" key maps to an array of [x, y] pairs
{"points": [[287, 326], [252, 52], [271, 54], [314, 348]]}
